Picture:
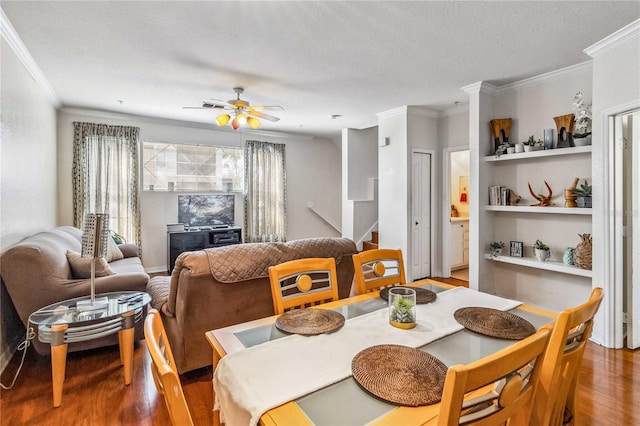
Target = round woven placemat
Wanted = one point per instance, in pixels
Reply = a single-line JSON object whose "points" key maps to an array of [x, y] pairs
{"points": [[422, 295], [400, 374], [494, 323], [310, 321]]}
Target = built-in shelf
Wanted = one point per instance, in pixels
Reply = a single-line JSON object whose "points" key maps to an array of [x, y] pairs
{"points": [[537, 209], [531, 262], [538, 154]]}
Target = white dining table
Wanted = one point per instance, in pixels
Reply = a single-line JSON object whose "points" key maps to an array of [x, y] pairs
{"points": [[270, 377]]}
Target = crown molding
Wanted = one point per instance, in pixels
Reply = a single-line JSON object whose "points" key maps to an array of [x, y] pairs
{"points": [[546, 76], [422, 111], [123, 116], [408, 109], [481, 87], [609, 42], [14, 41]]}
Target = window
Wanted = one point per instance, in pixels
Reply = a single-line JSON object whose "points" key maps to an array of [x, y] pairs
{"points": [[192, 168]]}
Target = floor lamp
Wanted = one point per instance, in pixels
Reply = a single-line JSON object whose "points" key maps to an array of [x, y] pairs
{"points": [[94, 243]]}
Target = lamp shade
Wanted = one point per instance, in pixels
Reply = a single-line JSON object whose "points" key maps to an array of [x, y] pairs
{"points": [[241, 118], [253, 122], [95, 234], [235, 124], [223, 119]]}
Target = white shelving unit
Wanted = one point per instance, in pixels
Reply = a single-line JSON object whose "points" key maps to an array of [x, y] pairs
{"points": [[546, 265], [539, 154], [540, 210]]}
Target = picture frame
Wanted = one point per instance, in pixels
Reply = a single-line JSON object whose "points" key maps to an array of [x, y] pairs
{"points": [[516, 249]]}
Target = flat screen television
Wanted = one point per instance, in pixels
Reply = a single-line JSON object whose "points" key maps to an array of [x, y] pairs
{"points": [[206, 210]]}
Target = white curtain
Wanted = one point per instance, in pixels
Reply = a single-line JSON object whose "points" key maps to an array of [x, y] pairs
{"points": [[105, 176], [265, 197]]}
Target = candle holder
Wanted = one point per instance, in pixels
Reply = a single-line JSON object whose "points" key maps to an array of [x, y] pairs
{"points": [[402, 307]]}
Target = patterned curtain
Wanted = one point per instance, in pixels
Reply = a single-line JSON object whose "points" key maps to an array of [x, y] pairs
{"points": [[105, 176], [265, 200]]}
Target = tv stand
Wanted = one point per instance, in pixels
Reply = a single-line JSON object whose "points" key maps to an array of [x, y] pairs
{"points": [[181, 241]]}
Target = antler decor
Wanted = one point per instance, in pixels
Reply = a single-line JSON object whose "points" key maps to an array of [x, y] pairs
{"points": [[543, 201]]}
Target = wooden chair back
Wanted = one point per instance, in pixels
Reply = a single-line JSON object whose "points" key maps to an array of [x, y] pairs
{"points": [[379, 268], [497, 389], [164, 371], [303, 282], [555, 398]]}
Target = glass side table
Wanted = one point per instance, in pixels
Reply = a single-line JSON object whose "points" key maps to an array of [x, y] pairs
{"points": [[76, 320]]}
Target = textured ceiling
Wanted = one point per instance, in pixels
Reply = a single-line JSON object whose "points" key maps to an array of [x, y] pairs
{"points": [[354, 59]]}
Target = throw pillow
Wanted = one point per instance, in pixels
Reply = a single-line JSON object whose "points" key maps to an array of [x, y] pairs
{"points": [[81, 266], [113, 251]]}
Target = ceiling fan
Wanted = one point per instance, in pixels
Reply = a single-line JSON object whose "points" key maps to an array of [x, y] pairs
{"points": [[241, 111]]}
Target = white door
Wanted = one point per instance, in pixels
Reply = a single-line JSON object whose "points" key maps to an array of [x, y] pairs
{"points": [[420, 215]]}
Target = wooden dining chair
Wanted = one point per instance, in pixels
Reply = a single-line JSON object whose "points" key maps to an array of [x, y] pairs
{"points": [[555, 398], [303, 282], [497, 389], [379, 268], [163, 369]]}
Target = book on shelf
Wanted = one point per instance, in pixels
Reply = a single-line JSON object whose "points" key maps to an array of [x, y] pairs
{"points": [[499, 196]]}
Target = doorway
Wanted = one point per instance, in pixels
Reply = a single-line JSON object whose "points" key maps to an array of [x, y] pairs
{"points": [[456, 212], [626, 137]]}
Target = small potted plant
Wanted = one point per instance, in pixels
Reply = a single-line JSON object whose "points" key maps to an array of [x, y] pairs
{"points": [[582, 121], [583, 195], [495, 248], [529, 144], [541, 251]]}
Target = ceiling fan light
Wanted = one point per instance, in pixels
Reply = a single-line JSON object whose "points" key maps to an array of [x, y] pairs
{"points": [[242, 119], [223, 119], [253, 122], [234, 123]]}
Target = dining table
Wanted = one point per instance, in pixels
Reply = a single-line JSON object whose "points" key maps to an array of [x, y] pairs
{"points": [[262, 375]]}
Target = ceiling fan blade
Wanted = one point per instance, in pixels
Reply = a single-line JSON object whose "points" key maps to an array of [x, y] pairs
{"points": [[268, 107], [263, 115], [210, 105]]}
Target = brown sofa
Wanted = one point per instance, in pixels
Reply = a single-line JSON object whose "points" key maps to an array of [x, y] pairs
{"points": [[218, 287], [36, 273]]}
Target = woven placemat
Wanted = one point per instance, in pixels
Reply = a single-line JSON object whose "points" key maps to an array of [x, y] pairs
{"points": [[422, 295], [494, 323], [310, 321], [400, 374]]}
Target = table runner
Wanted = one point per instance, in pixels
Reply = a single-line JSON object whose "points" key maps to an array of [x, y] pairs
{"points": [[251, 382]]}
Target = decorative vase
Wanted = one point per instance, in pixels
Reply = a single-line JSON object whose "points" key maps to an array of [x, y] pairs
{"points": [[582, 252], [541, 255], [567, 257], [584, 141], [519, 148], [584, 202], [511, 150], [402, 307]]}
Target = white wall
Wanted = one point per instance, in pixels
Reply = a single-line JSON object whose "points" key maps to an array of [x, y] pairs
{"points": [[616, 88], [27, 173], [453, 128], [28, 154], [532, 105], [393, 183], [313, 174], [359, 185]]}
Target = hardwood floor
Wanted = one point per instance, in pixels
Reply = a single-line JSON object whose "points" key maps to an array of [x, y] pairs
{"points": [[95, 394]]}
